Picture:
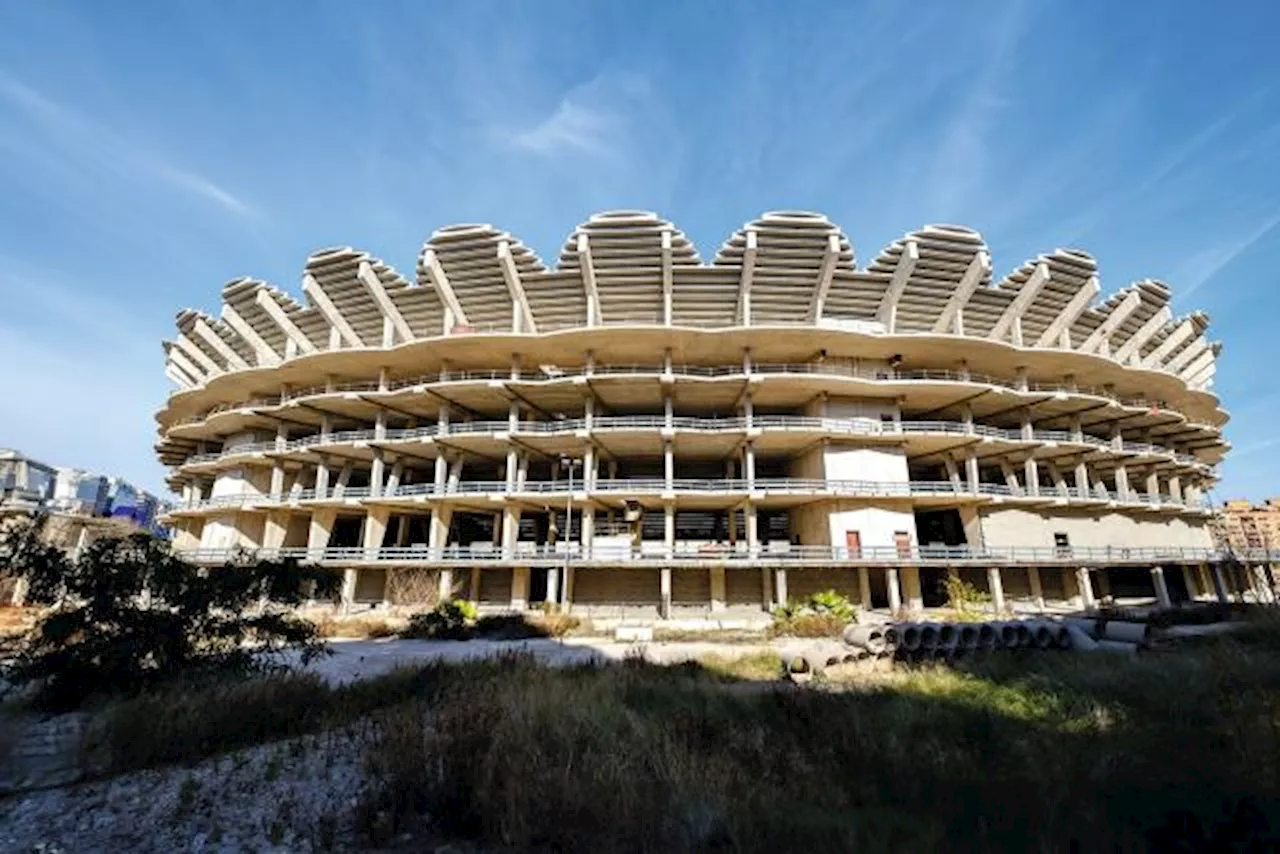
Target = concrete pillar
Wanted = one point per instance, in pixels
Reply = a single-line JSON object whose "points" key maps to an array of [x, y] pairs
{"points": [[864, 588], [438, 531], [953, 474], [664, 589], [1162, 589], [277, 480], [348, 589], [567, 595], [1220, 584], [972, 473], [553, 586], [1085, 583], [510, 530], [780, 585], [669, 529], [1103, 578], [455, 474], [273, 530], [997, 589], [766, 588], [322, 478], [749, 463], [753, 529], [375, 530], [393, 479], [1031, 476], [895, 592], [911, 587], [668, 411], [1189, 581], [588, 521], [446, 584], [668, 466], [748, 411], [318, 533], [1122, 483], [1083, 488], [1205, 584], [589, 469], [441, 473], [520, 588], [718, 601], [344, 478], [377, 473], [474, 591], [1037, 592]]}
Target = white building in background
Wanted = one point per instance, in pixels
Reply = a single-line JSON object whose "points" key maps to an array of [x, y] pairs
{"points": [[636, 430]]}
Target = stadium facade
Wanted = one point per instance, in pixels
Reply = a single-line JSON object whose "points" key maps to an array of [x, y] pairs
{"points": [[634, 431]]}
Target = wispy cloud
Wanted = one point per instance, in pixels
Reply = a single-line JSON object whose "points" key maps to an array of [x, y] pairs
{"points": [[571, 128], [83, 139], [1203, 266]]}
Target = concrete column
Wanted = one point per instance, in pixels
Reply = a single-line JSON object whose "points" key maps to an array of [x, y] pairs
{"points": [[522, 472], [668, 411], [1083, 488], [911, 587], [953, 473], [273, 530], [1162, 589], [455, 474], [753, 529], [474, 592], [1031, 476], [664, 589], [864, 588], [321, 528], [438, 531], [1189, 581], [446, 584], [588, 521], [344, 477], [1220, 584], [749, 463], [669, 529], [1122, 483], [780, 585], [322, 478], [668, 466], [377, 473], [380, 425], [1204, 582], [588, 412], [348, 589], [277, 480], [972, 474], [375, 530], [553, 586], [1037, 592], [997, 589], [589, 469], [748, 411], [567, 595], [766, 588], [393, 479], [520, 588], [895, 592], [441, 473], [1085, 583], [718, 602], [510, 530], [513, 460]]}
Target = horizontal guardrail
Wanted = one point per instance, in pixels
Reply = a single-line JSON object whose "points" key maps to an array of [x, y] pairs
{"points": [[700, 553], [878, 375], [834, 426], [641, 486]]}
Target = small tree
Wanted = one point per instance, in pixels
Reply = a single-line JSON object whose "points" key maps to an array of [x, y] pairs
{"points": [[127, 613]]}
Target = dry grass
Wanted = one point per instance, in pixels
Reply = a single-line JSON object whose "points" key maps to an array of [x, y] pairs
{"points": [[330, 626], [1065, 752], [809, 626]]}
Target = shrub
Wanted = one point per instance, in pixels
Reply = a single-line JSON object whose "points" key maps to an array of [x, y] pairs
{"points": [[823, 614], [450, 620], [126, 613], [963, 596]]}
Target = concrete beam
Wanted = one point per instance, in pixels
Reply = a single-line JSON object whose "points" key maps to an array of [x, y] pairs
{"points": [[312, 288], [887, 311], [519, 300], [748, 273], [1058, 332], [383, 300], [1157, 356], [825, 275], [1099, 338], [444, 290], [589, 280], [214, 340], [287, 326], [1130, 351], [261, 349], [667, 307], [1010, 320], [948, 320]]}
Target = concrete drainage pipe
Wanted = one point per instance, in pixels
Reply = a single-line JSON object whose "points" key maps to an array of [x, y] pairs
{"points": [[988, 637], [1006, 634], [1132, 633], [870, 639], [968, 637]]}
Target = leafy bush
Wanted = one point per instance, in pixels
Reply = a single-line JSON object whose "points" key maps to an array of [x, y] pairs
{"points": [[126, 613], [823, 614], [450, 620], [963, 596]]}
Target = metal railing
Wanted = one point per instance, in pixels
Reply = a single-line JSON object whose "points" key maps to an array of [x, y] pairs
{"points": [[767, 554], [834, 426], [834, 369], [816, 487]]}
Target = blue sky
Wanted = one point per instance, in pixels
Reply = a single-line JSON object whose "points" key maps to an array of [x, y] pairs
{"points": [[150, 151]]}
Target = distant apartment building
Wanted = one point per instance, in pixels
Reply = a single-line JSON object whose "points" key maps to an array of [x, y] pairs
{"points": [[29, 486], [1242, 526]]}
